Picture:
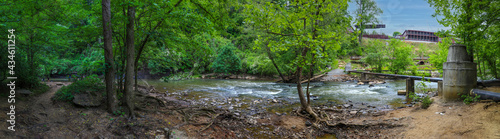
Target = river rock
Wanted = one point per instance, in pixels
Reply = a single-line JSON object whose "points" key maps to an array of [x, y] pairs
{"points": [[275, 101], [251, 121], [353, 112], [160, 137], [347, 105], [87, 99], [360, 83], [308, 123], [177, 134]]}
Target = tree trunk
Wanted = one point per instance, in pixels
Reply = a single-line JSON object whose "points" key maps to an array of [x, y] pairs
{"points": [[135, 75], [129, 73], [275, 65], [360, 37], [108, 55], [143, 43], [304, 105]]}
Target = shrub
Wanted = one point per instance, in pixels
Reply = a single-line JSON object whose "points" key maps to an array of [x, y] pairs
{"points": [[227, 61], [88, 84], [426, 102]]}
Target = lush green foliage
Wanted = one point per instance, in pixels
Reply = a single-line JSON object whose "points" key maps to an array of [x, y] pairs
{"points": [[395, 54], [401, 54], [179, 76], [476, 25], [226, 61], [468, 99], [366, 13], [426, 102], [376, 55], [396, 33], [91, 84], [439, 57]]}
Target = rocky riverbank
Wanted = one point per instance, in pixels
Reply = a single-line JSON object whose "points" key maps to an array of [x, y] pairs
{"points": [[182, 115]]}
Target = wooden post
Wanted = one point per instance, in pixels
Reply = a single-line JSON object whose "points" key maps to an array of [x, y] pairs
{"points": [[440, 88], [363, 76], [410, 83]]}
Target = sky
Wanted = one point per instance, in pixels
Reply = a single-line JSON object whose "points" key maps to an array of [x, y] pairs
{"points": [[401, 15]]}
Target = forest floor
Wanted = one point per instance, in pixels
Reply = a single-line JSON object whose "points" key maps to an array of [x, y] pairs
{"points": [[40, 117]]}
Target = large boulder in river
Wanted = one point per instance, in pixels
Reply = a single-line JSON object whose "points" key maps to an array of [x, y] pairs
{"points": [[88, 99]]}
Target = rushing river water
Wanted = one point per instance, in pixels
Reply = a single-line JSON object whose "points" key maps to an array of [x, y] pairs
{"points": [[378, 95]]}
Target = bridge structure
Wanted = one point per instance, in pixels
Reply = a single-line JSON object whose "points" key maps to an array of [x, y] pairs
{"points": [[410, 84]]}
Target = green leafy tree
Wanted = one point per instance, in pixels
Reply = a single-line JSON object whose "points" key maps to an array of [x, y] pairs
{"points": [[366, 13], [439, 57], [473, 22], [376, 55], [311, 29], [227, 61], [401, 54], [108, 55], [396, 33]]}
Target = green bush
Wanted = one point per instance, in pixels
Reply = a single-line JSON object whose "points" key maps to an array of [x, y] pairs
{"points": [[88, 84], [226, 61], [426, 102]]}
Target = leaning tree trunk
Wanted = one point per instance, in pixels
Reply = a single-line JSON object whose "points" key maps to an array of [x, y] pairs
{"points": [[304, 105], [129, 73], [108, 55], [275, 65]]}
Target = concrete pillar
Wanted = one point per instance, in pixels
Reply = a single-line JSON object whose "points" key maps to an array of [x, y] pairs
{"points": [[459, 73]]}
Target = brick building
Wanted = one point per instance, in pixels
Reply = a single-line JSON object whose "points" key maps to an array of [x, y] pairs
{"points": [[418, 35]]}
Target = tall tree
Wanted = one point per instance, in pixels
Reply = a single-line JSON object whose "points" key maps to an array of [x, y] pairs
{"points": [[396, 33], [309, 28], [108, 55], [471, 21], [366, 13], [129, 68]]}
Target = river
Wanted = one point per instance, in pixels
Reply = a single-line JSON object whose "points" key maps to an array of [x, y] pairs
{"points": [[380, 95]]}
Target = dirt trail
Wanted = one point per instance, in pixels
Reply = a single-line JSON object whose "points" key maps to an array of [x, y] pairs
{"points": [[44, 116], [451, 120]]}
